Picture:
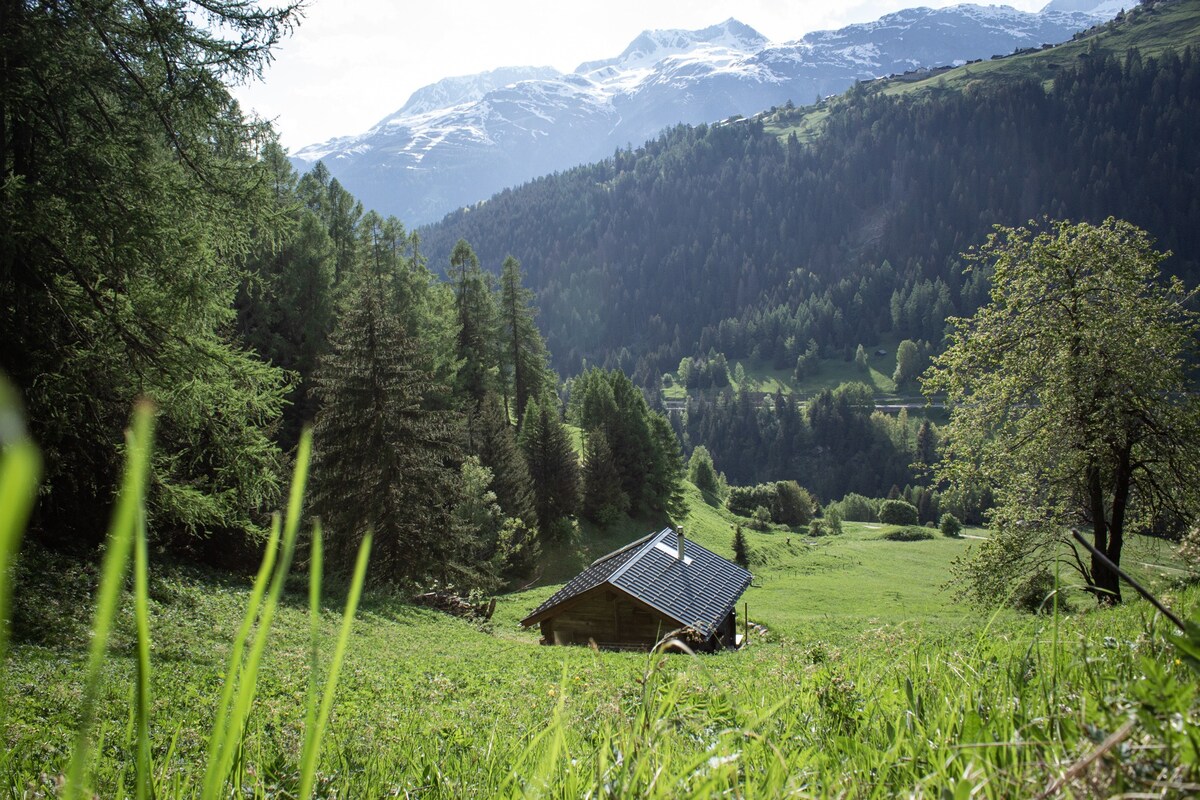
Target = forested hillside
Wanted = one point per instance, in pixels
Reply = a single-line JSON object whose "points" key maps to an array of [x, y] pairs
{"points": [[158, 245], [735, 239]]}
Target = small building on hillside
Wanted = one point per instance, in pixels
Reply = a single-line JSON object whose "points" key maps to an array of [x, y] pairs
{"points": [[632, 597]]}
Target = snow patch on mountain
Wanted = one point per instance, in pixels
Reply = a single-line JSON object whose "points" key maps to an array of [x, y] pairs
{"points": [[461, 139]]}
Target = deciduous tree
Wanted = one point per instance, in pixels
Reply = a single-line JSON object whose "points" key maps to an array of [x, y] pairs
{"points": [[1069, 395]]}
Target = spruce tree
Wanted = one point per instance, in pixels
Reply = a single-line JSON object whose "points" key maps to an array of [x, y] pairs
{"points": [[741, 549], [495, 442], [603, 499], [381, 459], [553, 467], [664, 478], [477, 341]]}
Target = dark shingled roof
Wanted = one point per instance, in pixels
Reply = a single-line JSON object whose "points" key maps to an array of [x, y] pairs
{"points": [[699, 591]]}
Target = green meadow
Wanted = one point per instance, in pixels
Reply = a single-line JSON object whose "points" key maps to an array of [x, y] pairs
{"points": [[863, 677]]}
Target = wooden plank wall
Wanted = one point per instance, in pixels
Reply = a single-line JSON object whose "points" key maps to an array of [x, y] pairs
{"points": [[610, 618]]}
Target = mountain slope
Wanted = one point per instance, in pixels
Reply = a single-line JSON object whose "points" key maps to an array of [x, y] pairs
{"points": [[740, 238], [462, 139]]}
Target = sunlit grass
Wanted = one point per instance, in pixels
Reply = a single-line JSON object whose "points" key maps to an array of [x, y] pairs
{"points": [[870, 680]]}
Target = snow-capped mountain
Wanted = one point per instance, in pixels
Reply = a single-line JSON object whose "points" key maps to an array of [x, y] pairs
{"points": [[462, 139]]}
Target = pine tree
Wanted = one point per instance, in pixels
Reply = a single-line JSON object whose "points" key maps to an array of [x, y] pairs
{"points": [[381, 459], [553, 467], [603, 499]]}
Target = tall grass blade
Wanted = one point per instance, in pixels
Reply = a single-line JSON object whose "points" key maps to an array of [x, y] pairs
{"points": [[232, 720], [141, 594], [311, 753], [121, 533], [315, 569], [20, 468], [217, 740]]}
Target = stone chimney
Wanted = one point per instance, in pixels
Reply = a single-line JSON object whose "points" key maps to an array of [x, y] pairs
{"points": [[679, 552]]}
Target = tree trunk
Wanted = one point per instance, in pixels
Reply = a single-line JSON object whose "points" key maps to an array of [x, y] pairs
{"points": [[1106, 584]]}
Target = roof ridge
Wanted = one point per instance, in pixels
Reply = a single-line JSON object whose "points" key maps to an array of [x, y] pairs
{"points": [[624, 549], [650, 541]]}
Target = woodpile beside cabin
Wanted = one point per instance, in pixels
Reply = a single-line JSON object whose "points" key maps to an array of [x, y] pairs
{"points": [[631, 598]]}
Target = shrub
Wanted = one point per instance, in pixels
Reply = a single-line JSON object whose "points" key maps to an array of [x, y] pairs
{"points": [[792, 504], [787, 502], [817, 528], [702, 473], [898, 512], [833, 521], [744, 500], [909, 533], [1034, 594], [950, 525], [856, 508], [761, 519]]}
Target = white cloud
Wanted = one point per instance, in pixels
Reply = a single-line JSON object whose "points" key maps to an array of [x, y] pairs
{"points": [[353, 62]]}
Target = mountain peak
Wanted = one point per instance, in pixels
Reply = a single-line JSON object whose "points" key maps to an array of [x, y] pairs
{"points": [[652, 46], [469, 88], [461, 139]]}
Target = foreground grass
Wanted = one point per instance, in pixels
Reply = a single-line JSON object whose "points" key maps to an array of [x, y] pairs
{"points": [[867, 681], [870, 682]]}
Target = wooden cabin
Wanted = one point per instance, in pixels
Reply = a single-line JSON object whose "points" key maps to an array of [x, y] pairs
{"points": [[631, 598]]}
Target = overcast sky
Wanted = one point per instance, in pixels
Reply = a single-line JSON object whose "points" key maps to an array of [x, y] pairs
{"points": [[353, 62]]}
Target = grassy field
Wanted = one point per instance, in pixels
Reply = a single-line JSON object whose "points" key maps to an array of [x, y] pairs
{"points": [[867, 680]]}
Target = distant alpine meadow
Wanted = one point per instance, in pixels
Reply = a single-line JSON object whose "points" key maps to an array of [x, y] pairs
{"points": [[862, 677]]}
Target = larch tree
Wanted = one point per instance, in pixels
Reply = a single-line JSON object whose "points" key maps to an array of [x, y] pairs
{"points": [[524, 358], [131, 190], [475, 308], [1069, 396]]}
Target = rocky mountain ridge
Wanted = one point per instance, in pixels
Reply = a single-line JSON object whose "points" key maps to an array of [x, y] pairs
{"points": [[460, 140]]}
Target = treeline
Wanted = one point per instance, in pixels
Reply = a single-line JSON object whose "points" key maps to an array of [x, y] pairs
{"points": [[157, 243], [726, 237], [833, 445]]}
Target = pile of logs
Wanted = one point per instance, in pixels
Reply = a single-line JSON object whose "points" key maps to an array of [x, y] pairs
{"points": [[454, 605]]}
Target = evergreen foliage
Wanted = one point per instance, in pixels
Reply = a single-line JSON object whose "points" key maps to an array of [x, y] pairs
{"points": [[524, 358], [603, 499], [383, 462], [741, 548], [851, 236], [644, 447], [129, 189], [494, 441], [477, 342], [553, 468], [286, 302]]}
